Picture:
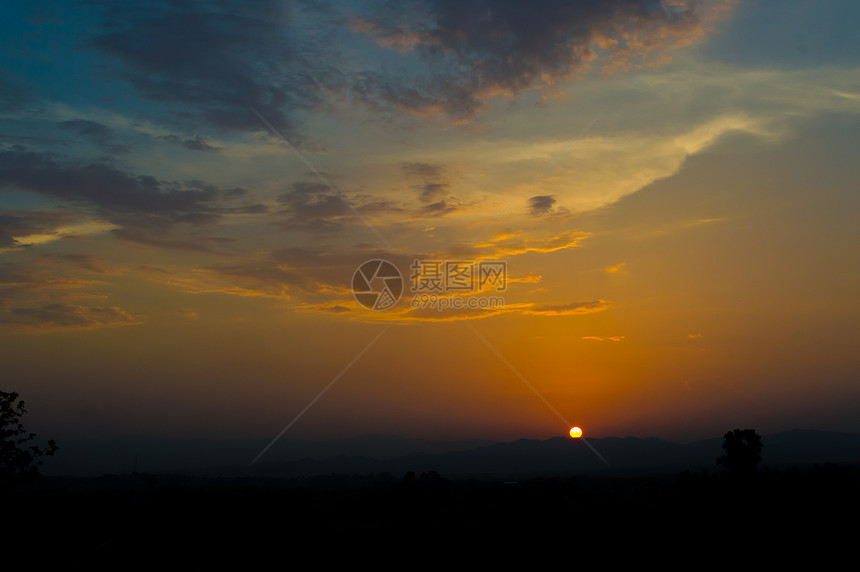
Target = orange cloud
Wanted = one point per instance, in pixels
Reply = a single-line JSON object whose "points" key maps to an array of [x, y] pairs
{"points": [[512, 244], [575, 308], [63, 317]]}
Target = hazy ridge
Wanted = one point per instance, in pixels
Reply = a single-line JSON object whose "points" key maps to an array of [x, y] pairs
{"points": [[397, 455]]}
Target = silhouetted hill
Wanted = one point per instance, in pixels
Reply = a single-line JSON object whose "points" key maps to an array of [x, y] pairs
{"points": [[382, 454], [530, 493], [808, 446], [564, 456], [522, 458], [126, 454]]}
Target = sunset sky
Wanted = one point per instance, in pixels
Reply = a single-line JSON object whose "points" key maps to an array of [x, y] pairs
{"points": [[187, 188]]}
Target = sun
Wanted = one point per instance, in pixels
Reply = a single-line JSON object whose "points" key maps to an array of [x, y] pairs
{"points": [[575, 432]]}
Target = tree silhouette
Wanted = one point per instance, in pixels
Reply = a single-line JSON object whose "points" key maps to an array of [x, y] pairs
{"points": [[19, 462], [743, 451]]}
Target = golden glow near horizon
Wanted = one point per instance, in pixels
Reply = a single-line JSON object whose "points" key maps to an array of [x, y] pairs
{"points": [[575, 432]]}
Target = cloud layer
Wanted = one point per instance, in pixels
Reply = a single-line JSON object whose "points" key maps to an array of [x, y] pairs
{"points": [[479, 50]]}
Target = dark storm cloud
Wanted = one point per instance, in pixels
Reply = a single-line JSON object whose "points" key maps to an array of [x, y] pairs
{"points": [[317, 208], [145, 208], [432, 191], [332, 267], [98, 133], [106, 187], [58, 317], [443, 95], [214, 62], [93, 129], [313, 201], [6, 237], [19, 224], [541, 204], [483, 48], [435, 185], [321, 273], [423, 170], [314, 208], [438, 209], [214, 59], [196, 143], [99, 184]]}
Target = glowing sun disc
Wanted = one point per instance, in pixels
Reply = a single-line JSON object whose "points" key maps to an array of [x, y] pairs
{"points": [[575, 432]]}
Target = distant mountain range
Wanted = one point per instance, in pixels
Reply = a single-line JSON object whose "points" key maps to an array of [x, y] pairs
{"points": [[125, 454], [374, 454]]}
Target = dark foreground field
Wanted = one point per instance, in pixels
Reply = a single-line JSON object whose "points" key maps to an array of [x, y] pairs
{"points": [[149, 515]]}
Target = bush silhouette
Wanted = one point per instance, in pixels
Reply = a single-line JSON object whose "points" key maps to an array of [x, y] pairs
{"points": [[743, 451], [19, 462]]}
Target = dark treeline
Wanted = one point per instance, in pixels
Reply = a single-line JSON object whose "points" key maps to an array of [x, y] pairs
{"points": [[151, 513]]}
